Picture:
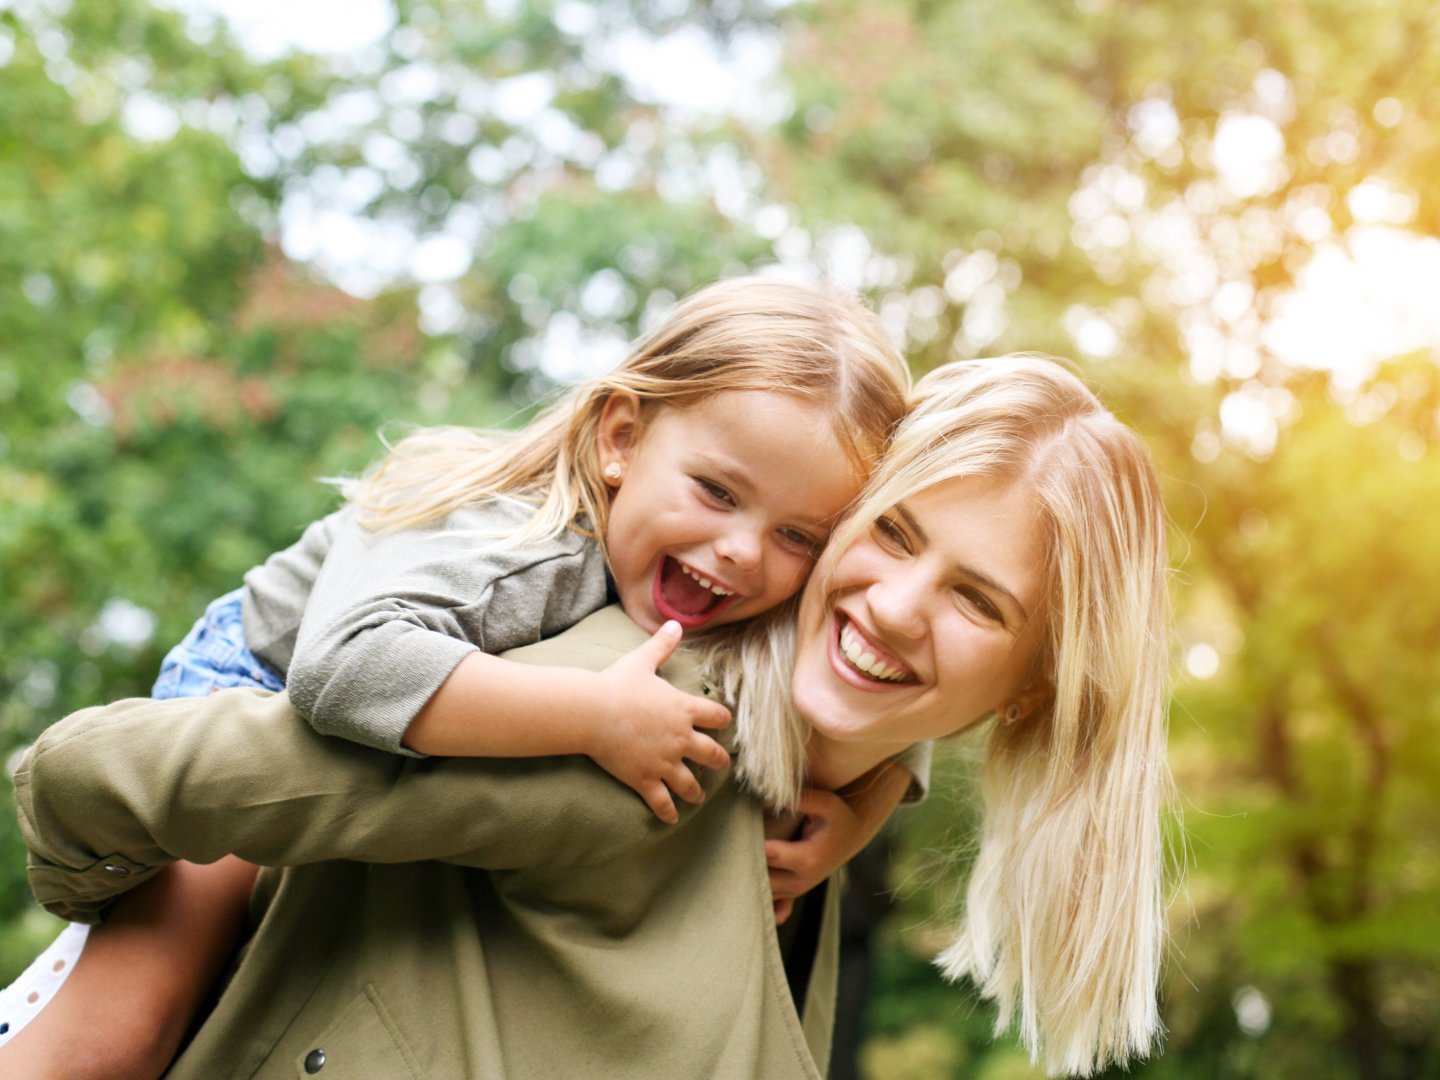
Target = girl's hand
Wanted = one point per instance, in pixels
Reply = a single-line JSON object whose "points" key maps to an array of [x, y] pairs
{"points": [[648, 728]]}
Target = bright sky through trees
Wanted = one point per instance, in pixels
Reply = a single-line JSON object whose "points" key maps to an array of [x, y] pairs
{"points": [[1352, 308]]}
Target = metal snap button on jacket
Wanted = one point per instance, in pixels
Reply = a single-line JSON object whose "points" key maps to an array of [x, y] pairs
{"points": [[315, 1060]]}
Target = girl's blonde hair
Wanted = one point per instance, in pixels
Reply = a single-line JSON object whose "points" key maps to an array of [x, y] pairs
{"points": [[1062, 923], [748, 333]]}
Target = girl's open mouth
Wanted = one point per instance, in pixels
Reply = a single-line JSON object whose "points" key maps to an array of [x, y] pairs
{"points": [[688, 597]]}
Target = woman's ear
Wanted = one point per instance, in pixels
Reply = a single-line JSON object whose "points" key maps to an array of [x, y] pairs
{"points": [[1030, 697], [618, 434]]}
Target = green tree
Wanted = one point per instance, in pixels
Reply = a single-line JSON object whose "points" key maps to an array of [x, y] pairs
{"points": [[997, 175]]}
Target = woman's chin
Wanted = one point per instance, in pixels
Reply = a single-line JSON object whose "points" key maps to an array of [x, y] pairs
{"points": [[825, 710]]}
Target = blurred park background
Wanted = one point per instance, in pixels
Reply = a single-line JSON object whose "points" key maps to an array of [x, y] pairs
{"points": [[238, 241]]}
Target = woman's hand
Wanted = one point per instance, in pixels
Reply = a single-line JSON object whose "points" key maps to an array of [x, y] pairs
{"points": [[648, 730], [833, 827]]}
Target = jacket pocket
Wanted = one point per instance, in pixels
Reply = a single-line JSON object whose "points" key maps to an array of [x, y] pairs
{"points": [[363, 1044]]}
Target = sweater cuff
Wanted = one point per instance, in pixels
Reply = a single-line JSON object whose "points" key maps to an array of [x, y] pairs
{"points": [[916, 761]]}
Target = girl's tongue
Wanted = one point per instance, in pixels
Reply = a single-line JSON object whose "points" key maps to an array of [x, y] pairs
{"points": [[683, 593]]}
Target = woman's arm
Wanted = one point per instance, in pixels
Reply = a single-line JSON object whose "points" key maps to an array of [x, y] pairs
{"points": [[828, 830], [110, 794]]}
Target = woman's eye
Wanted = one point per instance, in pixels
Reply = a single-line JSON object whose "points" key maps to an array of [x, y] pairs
{"points": [[890, 535], [982, 605], [714, 491]]}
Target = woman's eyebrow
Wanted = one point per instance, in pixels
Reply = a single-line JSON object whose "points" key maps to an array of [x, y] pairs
{"points": [[969, 571]]}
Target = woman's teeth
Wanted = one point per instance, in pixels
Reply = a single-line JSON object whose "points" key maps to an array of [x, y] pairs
{"points": [[853, 647], [705, 582]]}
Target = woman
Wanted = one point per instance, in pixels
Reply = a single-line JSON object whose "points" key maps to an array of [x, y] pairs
{"points": [[1006, 560]]}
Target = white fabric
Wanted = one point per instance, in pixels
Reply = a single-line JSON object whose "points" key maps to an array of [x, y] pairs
{"points": [[22, 1000]]}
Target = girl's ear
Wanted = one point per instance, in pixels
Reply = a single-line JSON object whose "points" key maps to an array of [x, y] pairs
{"points": [[618, 434]]}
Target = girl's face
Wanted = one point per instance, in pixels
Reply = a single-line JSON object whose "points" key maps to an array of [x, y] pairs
{"points": [[930, 620], [722, 506]]}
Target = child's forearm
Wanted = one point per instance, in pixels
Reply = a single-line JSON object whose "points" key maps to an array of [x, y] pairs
{"points": [[490, 707], [632, 723]]}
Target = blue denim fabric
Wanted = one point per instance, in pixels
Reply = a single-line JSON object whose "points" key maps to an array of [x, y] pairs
{"points": [[214, 656]]}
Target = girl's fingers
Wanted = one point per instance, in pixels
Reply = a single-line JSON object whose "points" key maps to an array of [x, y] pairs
{"points": [[709, 714], [659, 648], [657, 797], [684, 784], [707, 753]]}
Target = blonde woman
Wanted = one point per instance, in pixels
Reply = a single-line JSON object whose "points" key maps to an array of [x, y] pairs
{"points": [[1005, 564]]}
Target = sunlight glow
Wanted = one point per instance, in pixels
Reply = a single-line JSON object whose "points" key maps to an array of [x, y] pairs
{"points": [[1354, 308], [271, 28]]}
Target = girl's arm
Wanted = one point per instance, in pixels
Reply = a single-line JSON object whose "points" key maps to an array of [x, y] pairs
{"points": [[398, 649], [629, 720]]}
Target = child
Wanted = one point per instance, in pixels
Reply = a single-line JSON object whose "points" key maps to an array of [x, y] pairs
{"points": [[703, 474]]}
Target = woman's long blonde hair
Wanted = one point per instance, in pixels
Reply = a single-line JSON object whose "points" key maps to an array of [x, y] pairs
{"points": [[1062, 923], [748, 333]]}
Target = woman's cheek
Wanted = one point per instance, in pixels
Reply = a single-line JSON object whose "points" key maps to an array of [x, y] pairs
{"points": [[797, 571]]}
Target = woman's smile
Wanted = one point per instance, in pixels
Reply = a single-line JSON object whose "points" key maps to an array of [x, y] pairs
{"points": [[924, 623], [861, 660]]}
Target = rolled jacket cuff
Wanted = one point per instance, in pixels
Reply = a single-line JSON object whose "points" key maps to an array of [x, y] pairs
{"points": [[84, 895]]}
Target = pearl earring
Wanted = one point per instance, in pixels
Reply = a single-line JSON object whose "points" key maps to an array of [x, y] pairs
{"points": [[613, 472], [1012, 713]]}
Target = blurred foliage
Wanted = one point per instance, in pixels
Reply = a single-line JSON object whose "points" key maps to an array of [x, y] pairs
{"points": [[995, 174]]}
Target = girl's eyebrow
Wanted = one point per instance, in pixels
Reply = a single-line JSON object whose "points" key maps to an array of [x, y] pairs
{"points": [[738, 477], [964, 568], [726, 469]]}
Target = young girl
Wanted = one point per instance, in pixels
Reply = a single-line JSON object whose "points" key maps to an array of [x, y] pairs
{"points": [[696, 482]]}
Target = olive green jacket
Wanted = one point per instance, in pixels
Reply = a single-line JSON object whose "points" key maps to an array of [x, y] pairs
{"points": [[499, 918]]}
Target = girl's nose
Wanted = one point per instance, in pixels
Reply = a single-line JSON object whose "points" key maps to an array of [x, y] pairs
{"points": [[741, 547]]}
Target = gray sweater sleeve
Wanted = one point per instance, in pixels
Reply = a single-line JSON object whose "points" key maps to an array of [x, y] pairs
{"points": [[391, 616]]}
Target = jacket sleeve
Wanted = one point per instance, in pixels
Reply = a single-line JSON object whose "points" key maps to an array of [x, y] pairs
{"points": [[917, 762], [110, 794]]}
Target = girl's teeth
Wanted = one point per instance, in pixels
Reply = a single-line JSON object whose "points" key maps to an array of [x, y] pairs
{"points": [[705, 583], [854, 650]]}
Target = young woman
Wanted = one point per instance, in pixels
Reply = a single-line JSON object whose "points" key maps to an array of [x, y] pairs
{"points": [[1007, 561]]}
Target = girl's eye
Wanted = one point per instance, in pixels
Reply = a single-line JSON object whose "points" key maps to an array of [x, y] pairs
{"points": [[714, 491], [888, 532], [802, 541]]}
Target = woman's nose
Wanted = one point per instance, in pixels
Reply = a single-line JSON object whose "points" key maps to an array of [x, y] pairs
{"points": [[899, 601]]}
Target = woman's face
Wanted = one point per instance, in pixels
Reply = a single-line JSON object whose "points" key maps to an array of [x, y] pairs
{"points": [[930, 619]]}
